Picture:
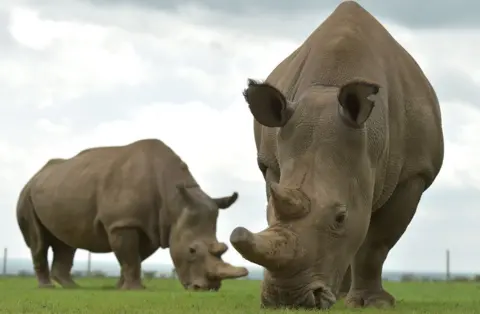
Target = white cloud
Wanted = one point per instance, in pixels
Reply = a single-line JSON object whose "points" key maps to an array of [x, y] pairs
{"points": [[206, 138], [81, 57], [460, 154], [87, 57], [50, 127]]}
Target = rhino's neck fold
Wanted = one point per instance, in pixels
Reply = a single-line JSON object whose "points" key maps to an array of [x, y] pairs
{"points": [[170, 206], [164, 229]]}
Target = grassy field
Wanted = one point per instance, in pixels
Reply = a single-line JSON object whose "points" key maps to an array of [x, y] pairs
{"points": [[20, 295]]}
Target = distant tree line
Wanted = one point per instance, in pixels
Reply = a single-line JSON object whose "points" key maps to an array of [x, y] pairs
{"points": [[147, 274], [407, 277]]}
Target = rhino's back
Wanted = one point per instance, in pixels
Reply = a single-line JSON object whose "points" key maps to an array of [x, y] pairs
{"points": [[405, 126], [78, 199]]}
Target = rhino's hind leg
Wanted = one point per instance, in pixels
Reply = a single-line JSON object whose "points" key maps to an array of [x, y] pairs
{"points": [[386, 227], [126, 246], [62, 264], [40, 264], [35, 236]]}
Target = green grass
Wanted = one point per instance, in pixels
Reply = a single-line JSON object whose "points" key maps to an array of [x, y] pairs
{"points": [[20, 295]]}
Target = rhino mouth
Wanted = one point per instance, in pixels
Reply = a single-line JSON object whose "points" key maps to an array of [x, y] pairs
{"points": [[317, 296], [324, 298], [276, 249], [196, 288]]}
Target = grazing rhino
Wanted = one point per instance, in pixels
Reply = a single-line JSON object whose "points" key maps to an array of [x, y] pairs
{"points": [[349, 136], [131, 200]]}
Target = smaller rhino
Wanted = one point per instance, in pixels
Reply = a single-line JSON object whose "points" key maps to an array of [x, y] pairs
{"points": [[129, 200]]}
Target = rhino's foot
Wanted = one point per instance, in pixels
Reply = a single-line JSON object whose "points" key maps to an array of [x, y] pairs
{"points": [[120, 283], [133, 286], [44, 281], [67, 284], [380, 299], [342, 295], [46, 285], [65, 281]]}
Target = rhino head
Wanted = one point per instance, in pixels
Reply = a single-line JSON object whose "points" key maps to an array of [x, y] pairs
{"points": [[319, 203], [194, 248]]}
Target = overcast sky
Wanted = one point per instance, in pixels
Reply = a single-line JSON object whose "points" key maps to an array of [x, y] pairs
{"points": [[77, 74]]}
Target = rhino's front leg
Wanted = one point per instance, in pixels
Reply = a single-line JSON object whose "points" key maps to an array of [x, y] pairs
{"points": [[145, 252], [346, 282], [386, 227], [40, 264], [120, 281], [125, 244]]}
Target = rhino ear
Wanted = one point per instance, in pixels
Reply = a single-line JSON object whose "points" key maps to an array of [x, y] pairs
{"points": [[355, 101], [267, 104]]}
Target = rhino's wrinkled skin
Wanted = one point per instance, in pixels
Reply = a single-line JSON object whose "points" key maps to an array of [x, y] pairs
{"points": [[349, 136], [130, 200]]}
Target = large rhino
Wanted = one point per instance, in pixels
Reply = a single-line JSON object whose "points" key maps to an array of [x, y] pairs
{"points": [[349, 136], [131, 200]]}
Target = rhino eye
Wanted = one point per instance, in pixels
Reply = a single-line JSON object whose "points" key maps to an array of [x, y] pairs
{"points": [[340, 218], [192, 250]]}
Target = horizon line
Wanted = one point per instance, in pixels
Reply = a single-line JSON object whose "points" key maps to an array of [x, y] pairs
{"points": [[256, 267]]}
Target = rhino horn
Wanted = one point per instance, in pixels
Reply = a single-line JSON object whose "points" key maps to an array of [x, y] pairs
{"points": [[270, 248], [224, 270], [218, 249], [288, 203]]}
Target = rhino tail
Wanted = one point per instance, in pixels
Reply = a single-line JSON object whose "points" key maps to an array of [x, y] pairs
{"points": [[30, 226]]}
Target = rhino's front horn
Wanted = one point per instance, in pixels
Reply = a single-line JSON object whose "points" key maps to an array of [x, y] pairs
{"points": [[226, 271], [270, 248]]}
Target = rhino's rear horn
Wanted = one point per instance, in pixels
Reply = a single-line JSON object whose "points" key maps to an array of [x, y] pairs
{"points": [[269, 248], [288, 204], [218, 249]]}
